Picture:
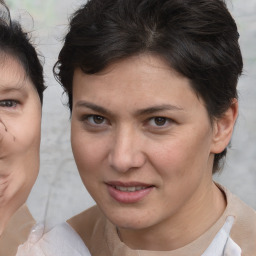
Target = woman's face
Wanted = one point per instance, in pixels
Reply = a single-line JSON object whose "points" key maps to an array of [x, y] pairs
{"points": [[142, 141], [20, 121]]}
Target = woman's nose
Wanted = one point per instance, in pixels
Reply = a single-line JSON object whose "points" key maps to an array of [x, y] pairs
{"points": [[126, 152]]}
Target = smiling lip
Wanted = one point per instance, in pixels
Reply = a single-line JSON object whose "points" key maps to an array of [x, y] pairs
{"points": [[128, 193]]}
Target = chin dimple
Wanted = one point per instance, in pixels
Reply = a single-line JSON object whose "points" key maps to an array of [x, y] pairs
{"points": [[129, 189]]}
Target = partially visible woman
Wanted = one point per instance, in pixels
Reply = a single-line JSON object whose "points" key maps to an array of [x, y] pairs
{"points": [[21, 95], [152, 89]]}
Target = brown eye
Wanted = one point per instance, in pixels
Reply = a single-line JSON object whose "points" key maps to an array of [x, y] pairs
{"points": [[95, 120], [160, 121], [98, 119]]}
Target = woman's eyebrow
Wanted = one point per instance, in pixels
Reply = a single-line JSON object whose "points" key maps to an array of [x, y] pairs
{"points": [[94, 107], [140, 112], [12, 86], [4, 89], [158, 108]]}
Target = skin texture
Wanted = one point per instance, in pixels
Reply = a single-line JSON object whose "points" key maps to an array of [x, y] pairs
{"points": [[20, 122], [117, 136]]}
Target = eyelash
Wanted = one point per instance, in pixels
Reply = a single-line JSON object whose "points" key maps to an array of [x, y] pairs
{"points": [[8, 103], [165, 121], [92, 121]]}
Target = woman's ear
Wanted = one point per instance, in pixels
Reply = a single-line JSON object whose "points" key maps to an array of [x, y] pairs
{"points": [[223, 128]]}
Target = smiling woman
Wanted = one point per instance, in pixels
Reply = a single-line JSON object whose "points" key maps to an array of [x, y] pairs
{"points": [[135, 149], [21, 88], [152, 89], [150, 148]]}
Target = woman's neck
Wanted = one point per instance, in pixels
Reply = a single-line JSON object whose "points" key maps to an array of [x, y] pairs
{"points": [[3, 220], [183, 228], [6, 212]]}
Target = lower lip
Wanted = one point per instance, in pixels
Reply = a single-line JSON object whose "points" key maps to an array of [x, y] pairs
{"points": [[128, 197]]}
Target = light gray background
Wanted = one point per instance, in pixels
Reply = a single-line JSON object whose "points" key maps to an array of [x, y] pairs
{"points": [[58, 193]]}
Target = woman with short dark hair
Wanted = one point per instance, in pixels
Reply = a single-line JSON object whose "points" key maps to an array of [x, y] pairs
{"points": [[152, 89]]}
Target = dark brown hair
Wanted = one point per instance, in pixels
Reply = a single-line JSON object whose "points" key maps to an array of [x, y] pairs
{"points": [[199, 39], [16, 43]]}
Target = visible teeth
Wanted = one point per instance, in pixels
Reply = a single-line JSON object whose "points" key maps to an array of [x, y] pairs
{"points": [[140, 188], [129, 189]]}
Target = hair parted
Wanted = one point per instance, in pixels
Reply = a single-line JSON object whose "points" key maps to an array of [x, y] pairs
{"points": [[16, 43], [198, 39]]}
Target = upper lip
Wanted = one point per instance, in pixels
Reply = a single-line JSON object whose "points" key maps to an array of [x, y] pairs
{"points": [[128, 184]]}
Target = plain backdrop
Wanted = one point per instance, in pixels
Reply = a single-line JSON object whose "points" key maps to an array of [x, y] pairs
{"points": [[58, 193]]}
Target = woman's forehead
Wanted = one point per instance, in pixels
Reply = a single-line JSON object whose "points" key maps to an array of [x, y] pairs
{"points": [[13, 77], [136, 83]]}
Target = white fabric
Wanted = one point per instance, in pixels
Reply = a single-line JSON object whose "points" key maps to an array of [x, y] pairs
{"points": [[62, 240], [222, 244]]}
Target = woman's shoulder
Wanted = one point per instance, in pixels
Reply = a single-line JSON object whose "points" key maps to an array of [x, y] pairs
{"points": [[62, 240], [245, 215], [88, 222], [87, 217], [244, 228], [16, 231]]}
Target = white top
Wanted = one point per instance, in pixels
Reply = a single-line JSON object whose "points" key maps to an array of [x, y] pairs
{"points": [[222, 244], [62, 240]]}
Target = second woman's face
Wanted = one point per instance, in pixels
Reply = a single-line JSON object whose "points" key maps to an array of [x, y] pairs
{"points": [[142, 141], [20, 121]]}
